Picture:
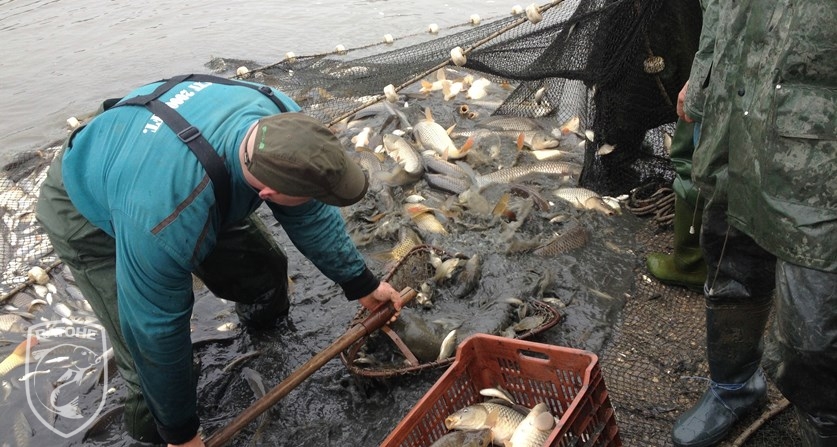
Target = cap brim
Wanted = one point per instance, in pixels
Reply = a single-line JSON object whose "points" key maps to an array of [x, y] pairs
{"points": [[351, 188]]}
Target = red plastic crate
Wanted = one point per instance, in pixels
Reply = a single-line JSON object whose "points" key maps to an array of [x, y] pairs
{"points": [[568, 380]]}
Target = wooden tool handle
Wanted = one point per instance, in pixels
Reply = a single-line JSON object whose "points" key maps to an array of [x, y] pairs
{"points": [[379, 317]]}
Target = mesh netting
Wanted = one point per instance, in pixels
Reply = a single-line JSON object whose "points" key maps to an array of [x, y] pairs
{"points": [[615, 64], [618, 65], [413, 271]]}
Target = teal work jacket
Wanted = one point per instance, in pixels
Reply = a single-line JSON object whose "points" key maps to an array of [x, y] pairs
{"points": [[130, 175]]}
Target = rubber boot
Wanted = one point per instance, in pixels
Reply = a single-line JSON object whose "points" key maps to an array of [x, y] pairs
{"points": [[815, 432], [685, 266], [264, 311], [734, 348]]}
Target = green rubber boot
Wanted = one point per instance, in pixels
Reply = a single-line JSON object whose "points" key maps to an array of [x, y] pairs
{"points": [[684, 266]]}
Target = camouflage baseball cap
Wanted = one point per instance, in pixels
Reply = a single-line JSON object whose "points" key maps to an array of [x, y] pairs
{"points": [[297, 155]]}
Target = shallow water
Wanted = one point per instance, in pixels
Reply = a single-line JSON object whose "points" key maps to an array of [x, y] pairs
{"points": [[62, 58]]}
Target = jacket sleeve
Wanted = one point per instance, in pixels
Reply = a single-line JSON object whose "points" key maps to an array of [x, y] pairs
{"points": [[702, 63], [318, 231], [155, 305]]}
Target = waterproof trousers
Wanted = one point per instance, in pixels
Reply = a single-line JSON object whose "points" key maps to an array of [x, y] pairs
{"points": [[246, 266], [738, 295], [741, 279], [805, 332]]}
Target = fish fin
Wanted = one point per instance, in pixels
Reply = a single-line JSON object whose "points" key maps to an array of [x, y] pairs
{"points": [[502, 205], [469, 143], [428, 114], [382, 256], [520, 140], [426, 86], [544, 421], [492, 418], [440, 75], [472, 175], [450, 129]]}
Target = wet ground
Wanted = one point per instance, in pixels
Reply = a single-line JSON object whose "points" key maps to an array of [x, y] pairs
{"points": [[648, 338], [333, 407]]}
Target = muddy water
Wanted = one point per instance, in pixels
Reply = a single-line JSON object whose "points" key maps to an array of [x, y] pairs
{"points": [[333, 407]]}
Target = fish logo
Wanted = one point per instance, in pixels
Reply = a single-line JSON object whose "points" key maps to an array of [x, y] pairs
{"points": [[63, 375]]}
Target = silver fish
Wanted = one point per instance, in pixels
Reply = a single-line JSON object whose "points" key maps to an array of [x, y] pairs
{"points": [[254, 380], [508, 175], [436, 164], [456, 185], [584, 198], [448, 346], [465, 438], [501, 419], [469, 278], [433, 136], [537, 141], [529, 323], [515, 123], [535, 428], [402, 152], [498, 393]]}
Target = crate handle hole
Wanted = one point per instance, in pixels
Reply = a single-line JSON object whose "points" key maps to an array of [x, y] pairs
{"points": [[534, 354]]}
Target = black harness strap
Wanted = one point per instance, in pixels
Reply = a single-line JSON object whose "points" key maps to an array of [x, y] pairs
{"points": [[212, 163]]}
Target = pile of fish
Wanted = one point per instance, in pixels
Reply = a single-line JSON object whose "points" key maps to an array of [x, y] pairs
{"points": [[447, 309], [23, 243], [481, 172], [498, 421]]}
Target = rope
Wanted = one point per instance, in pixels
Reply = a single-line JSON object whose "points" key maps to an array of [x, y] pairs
{"points": [[446, 62], [346, 51]]}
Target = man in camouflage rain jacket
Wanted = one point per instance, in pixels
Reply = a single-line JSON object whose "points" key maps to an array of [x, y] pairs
{"points": [[767, 163]]}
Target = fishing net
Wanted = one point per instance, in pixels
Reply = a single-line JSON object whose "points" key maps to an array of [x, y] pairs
{"points": [[616, 65], [378, 357]]}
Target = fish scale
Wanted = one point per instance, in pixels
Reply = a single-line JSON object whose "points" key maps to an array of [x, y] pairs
{"points": [[434, 137], [574, 238], [507, 175], [584, 198], [502, 420], [402, 152]]}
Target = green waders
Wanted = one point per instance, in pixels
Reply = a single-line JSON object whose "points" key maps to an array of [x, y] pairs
{"points": [[246, 266], [684, 266]]}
